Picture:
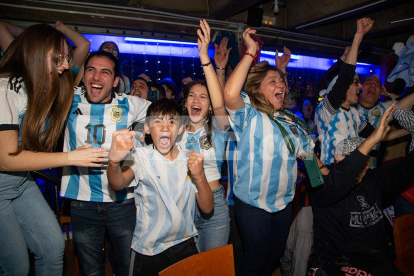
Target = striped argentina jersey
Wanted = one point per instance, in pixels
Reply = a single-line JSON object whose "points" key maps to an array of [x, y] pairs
{"points": [[231, 157], [406, 119], [266, 171], [165, 200], [94, 124], [373, 116], [335, 126], [213, 154]]}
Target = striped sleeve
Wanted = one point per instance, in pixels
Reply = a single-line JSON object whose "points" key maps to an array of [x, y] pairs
{"points": [[12, 104]]}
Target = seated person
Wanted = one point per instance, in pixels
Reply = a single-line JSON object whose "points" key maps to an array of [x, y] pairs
{"points": [[167, 183], [349, 226]]}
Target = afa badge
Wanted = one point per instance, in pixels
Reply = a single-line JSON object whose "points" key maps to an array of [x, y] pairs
{"points": [[116, 115], [376, 112], [294, 130], [204, 144]]}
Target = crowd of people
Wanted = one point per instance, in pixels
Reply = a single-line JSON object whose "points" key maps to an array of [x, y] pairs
{"points": [[142, 161]]}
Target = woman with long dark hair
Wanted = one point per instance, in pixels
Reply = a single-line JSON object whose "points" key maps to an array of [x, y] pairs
{"points": [[36, 92], [206, 133]]}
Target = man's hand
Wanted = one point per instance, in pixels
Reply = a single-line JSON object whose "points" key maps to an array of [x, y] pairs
{"points": [[364, 25], [145, 77], [122, 143]]}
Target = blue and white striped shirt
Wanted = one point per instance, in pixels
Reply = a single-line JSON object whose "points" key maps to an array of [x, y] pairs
{"points": [[266, 170], [165, 200], [213, 154], [231, 157], [94, 124], [335, 126]]}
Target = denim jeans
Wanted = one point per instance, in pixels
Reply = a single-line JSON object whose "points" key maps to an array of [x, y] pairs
{"points": [[213, 228], [90, 221], [26, 221], [264, 237]]}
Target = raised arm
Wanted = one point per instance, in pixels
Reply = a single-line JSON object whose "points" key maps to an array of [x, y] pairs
{"points": [[234, 84], [122, 143], [213, 84], [82, 44], [84, 156], [338, 93], [205, 199], [7, 34], [221, 57], [283, 61]]}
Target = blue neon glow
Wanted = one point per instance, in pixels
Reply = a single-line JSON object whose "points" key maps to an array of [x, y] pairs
{"points": [[270, 53], [159, 41], [158, 47]]}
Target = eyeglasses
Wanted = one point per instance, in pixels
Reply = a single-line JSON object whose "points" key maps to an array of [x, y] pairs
{"points": [[356, 81], [61, 59]]}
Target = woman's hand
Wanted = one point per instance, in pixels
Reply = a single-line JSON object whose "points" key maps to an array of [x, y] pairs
{"points": [[203, 38], [252, 46], [221, 53], [86, 156], [282, 62]]}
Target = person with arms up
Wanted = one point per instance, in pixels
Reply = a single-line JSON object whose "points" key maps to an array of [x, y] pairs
{"points": [[266, 166], [348, 223], [335, 117]]}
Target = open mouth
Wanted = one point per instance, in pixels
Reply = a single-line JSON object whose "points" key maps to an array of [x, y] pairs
{"points": [[195, 111], [279, 96], [371, 92], [96, 88], [164, 141]]}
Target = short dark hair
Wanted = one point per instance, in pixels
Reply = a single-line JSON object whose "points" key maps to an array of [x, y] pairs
{"points": [[140, 78], [164, 107], [160, 88], [171, 85], [107, 55]]}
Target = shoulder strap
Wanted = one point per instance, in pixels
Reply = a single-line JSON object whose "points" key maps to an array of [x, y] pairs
{"points": [[286, 137]]}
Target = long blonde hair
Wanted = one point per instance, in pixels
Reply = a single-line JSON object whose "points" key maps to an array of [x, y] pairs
{"points": [[252, 88], [48, 97]]}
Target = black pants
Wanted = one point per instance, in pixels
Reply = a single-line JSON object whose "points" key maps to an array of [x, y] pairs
{"points": [[151, 265]]}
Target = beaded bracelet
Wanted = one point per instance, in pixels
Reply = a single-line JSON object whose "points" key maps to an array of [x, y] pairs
{"points": [[220, 73], [221, 68]]}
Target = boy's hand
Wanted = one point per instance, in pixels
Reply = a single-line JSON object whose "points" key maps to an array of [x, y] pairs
{"points": [[122, 143], [195, 164]]}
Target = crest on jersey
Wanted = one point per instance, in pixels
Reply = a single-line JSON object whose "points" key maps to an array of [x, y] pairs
{"points": [[116, 114], [294, 130], [204, 144], [376, 112]]}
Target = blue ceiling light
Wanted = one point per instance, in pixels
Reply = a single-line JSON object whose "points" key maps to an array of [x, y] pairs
{"points": [[159, 47]]}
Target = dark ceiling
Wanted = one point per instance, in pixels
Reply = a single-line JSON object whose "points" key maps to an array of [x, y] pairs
{"points": [[310, 27]]}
